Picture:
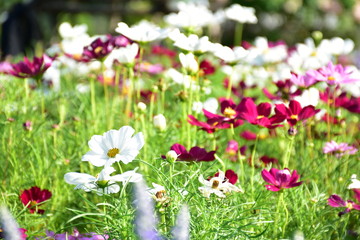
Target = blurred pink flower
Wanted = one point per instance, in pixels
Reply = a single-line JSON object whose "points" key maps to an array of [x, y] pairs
{"points": [[336, 201], [339, 149], [280, 179]]}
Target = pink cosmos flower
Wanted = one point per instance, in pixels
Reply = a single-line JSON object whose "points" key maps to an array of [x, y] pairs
{"points": [[258, 114], [76, 235], [208, 126], [280, 179], [33, 197], [248, 135], [295, 112], [196, 154], [336, 201], [303, 81], [332, 74], [339, 149], [28, 68]]}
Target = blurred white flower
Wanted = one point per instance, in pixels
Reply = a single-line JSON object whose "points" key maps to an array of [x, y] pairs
{"points": [[309, 96], [82, 88], [74, 39], [67, 31], [124, 55], [103, 183], [192, 43], [114, 146], [189, 62], [160, 122], [217, 185], [355, 183], [181, 79], [142, 32], [190, 15], [241, 14], [171, 155], [339, 46], [230, 56], [261, 53]]}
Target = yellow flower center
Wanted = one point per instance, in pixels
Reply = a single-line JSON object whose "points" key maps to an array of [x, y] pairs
{"points": [[260, 117], [349, 205], [294, 116], [77, 56], [313, 54], [102, 183], [98, 49], [229, 112], [33, 203], [331, 78], [215, 184], [112, 152]]}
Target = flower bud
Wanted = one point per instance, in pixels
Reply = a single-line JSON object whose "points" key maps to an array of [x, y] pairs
{"points": [[27, 125], [160, 122], [171, 156], [292, 131], [141, 106]]}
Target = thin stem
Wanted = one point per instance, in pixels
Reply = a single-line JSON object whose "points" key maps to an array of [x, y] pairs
{"points": [[228, 95], [286, 213], [252, 165], [238, 33], [288, 153], [221, 162]]}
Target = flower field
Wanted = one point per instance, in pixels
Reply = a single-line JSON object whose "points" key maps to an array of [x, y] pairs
{"points": [[161, 132]]}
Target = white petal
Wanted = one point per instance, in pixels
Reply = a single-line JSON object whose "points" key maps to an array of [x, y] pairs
{"points": [[97, 145], [78, 178], [129, 176]]}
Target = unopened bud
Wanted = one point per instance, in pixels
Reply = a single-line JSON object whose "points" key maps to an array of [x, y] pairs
{"points": [[171, 156], [141, 106], [292, 131], [160, 122]]}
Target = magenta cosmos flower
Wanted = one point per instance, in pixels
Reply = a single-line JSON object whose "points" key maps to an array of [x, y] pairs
{"points": [[295, 112], [230, 176], [339, 149], [258, 114], [284, 91], [33, 197], [195, 154], [280, 179], [28, 68], [332, 74], [336, 201]]}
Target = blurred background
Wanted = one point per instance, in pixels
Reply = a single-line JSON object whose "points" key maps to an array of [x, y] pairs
{"points": [[33, 23]]}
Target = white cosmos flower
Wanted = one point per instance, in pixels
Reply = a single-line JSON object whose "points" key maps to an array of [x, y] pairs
{"points": [[192, 43], [241, 14], [190, 15], [114, 146], [217, 185], [188, 62], [124, 55], [230, 56], [340, 46], [355, 183], [143, 32], [308, 97], [181, 79], [103, 183]]}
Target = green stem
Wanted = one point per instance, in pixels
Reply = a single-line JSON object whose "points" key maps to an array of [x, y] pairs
{"points": [[288, 153], [221, 162], [253, 164], [238, 33], [286, 214], [228, 95]]}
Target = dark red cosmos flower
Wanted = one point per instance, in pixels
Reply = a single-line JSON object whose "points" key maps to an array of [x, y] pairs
{"points": [[229, 175], [336, 201], [258, 115], [214, 121], [284, 91], [280, 179], [206, 67], [161, 50], [352, 105], [329, 97], [295, 112], [195, 154], [28, 68], [209, 126], [33, 197], [266, 160], [248, 135]]}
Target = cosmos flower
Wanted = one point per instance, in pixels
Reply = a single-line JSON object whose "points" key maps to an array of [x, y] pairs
{"points": [[191, 43], [103, 183], [196, 154], [29, 69], [142, 32], [241, 14], [355, 183], [230, 176], [219, 185], [114, 146], [228, 55], [295, 112], [336, 201], [285, 91], [75, 235], [280, 179], [189, 62], [125, 55], [33, 197], [258, 114], [339, 149], [332, 74], [98, 49]]}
